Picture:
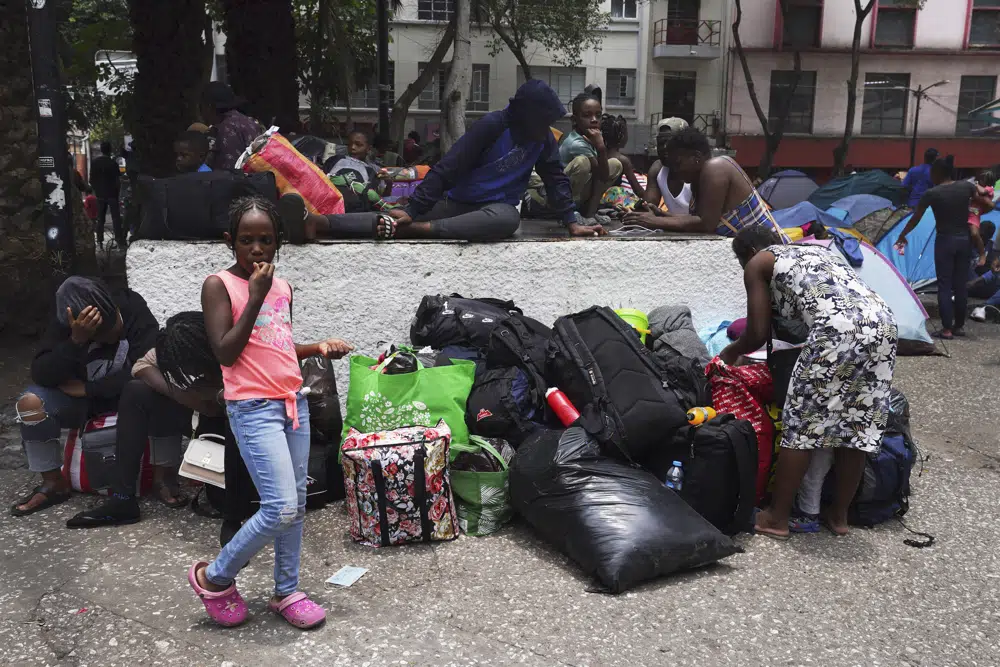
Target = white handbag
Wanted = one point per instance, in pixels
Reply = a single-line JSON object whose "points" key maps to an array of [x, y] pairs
{"points": [[205, 460]]}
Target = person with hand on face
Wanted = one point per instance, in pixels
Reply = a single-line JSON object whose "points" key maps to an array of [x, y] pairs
{"points": [[81, 370], [724, 200], [472, 192], [838, 396], [248, 317], [584, 154], [177, 377], [956, 235]]}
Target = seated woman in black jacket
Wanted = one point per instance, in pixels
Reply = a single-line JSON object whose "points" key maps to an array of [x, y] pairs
{"points": [[83, 365]]}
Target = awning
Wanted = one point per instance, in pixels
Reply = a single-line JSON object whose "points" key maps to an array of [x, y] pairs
{"points": [[986, 111]]}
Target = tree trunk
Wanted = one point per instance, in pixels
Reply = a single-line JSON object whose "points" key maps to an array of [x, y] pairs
{"points": [[456, 88], [320, 44], [261, 59], [401, 107], [840, 152], [169, 53]]}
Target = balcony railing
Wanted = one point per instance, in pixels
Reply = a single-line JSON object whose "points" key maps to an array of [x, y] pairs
{"points": [[708, 123], [687, 32]]}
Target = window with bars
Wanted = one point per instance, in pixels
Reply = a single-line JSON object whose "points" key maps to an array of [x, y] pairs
{"points": [[801, 24], [984, 27], [620, 91], [623, 9], [479, 96], [479, 93], [435, 10], [895, 24], [367, 96], [884, 104], [568, 82], [975, 91], [800, 99]]}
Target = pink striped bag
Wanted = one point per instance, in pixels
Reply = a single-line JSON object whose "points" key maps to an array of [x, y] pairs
{"points": [[89, 468]]}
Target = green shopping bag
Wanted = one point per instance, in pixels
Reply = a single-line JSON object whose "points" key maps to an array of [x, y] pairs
{"points": [[482, 498], [377, 402]]}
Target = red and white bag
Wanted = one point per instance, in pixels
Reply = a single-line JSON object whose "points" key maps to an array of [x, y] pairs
{"points": [[745, 391], [88, 461]]}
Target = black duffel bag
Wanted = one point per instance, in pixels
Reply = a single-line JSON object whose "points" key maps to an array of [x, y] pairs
{"points": [[719, 460], [625, 398], [195, 206], [454, 320], [504, 403], [619, 523]]}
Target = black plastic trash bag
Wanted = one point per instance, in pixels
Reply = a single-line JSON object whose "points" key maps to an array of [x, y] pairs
{"points": [[619, 523], [326, 480]]}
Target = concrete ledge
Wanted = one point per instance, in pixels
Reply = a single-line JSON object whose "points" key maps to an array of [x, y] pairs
{"points": [[367, 292]]}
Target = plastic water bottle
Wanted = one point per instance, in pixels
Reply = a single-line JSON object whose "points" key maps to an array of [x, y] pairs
{"points": [[675, 476], [561, 406]]}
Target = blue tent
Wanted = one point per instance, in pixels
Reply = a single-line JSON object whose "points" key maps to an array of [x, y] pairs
{"points": [[875, 182], [858, 206], [803, 213], [916, 265]]}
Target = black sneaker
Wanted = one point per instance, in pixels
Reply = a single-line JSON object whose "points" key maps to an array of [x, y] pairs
{"points": [[113, 512]]}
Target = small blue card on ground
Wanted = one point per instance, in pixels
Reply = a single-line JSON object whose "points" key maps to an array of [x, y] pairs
{"points": [[347, 575]]}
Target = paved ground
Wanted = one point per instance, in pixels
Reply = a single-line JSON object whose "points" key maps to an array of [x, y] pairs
{"points": [[119, 597]]}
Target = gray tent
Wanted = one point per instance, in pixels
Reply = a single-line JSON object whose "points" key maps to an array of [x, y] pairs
{"points": [[787, 188]]}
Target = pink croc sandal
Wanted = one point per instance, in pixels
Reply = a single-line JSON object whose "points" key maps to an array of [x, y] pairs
{"points": [[299, 610], [226, 607]]}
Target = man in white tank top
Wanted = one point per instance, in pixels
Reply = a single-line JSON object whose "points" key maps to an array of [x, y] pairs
{"points": [[674, 193]]}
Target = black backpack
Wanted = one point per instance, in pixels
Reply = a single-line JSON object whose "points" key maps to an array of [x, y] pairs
{"points": [[454, 320], [504, 403], [720, 469], [195, 206], [623, 394], [688, 380]]}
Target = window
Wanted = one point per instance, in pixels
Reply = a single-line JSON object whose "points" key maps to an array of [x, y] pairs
{"points": [[568, 82], [623, 9], [984, 27], [621, 88], [975, 91], [479, 96], [895, 24], [435, 10], [799, 98], [367, 97], [884, 105], [801, 24]]}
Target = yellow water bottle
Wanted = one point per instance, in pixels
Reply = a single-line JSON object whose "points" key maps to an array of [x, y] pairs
{"points": [[698, 416]]}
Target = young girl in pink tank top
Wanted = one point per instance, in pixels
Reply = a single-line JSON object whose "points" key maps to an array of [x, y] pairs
{"points": [[248, 316]]}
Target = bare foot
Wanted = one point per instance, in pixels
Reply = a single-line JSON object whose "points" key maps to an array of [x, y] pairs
{"points": [[203, 581], [767, 525], [40, 498], [837, 523]]}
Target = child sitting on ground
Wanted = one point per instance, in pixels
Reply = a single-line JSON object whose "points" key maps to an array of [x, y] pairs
{"points": [[586, 161], [614, 129], [191, 151], [358, 179]]}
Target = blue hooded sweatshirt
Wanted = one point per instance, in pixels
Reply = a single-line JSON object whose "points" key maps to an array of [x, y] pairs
{"points": [[492, 161]]}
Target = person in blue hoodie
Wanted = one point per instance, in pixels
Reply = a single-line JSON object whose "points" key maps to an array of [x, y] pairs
{"points": [[471, 193]]}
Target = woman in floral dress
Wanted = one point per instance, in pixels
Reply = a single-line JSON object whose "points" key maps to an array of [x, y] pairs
{"points": [[839, 393]]}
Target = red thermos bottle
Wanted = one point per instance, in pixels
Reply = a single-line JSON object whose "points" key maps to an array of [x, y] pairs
{"points": [[561, 406]]}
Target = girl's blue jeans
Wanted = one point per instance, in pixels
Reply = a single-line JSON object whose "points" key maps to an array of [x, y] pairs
{"points": [[277, 457]]}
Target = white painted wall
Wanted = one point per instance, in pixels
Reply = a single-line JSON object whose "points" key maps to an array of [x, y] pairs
{"points": [[367, 293]]}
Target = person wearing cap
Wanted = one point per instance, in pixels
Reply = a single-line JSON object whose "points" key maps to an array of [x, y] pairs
{"points": [[231, 130], [83, 364], [666, 188], [472, 192]]}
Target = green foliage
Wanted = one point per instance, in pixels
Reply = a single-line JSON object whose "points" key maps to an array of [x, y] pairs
{"points": [[563, 28]]}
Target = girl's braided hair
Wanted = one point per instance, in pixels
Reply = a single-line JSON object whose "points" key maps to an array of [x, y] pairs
{"points": [[183, 352], [614, 129], [243, 205]]}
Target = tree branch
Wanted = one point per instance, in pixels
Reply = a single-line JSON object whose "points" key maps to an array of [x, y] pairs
{"points": [[401, 106], [741, 54], [515, 48]]}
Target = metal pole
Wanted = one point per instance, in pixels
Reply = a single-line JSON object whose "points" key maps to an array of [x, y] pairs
{"points": [[916, 122], [384, 85], [53, 159]]}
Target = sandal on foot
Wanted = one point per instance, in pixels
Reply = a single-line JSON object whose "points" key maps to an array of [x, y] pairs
{"points": [[177, 503], [226, 608], [943, 335], [384, 227], [781, 537], [292, 209], [298, 610], [52, 498]]}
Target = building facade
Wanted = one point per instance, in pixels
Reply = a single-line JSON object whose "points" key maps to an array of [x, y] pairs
{"points": [[947, 54], [662, 58]]}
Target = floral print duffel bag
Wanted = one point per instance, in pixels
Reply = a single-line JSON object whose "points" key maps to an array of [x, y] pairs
{"points": [[397, 484]]}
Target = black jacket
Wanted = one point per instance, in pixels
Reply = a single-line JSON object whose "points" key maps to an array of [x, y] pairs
{"points": [[60, 359]]}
